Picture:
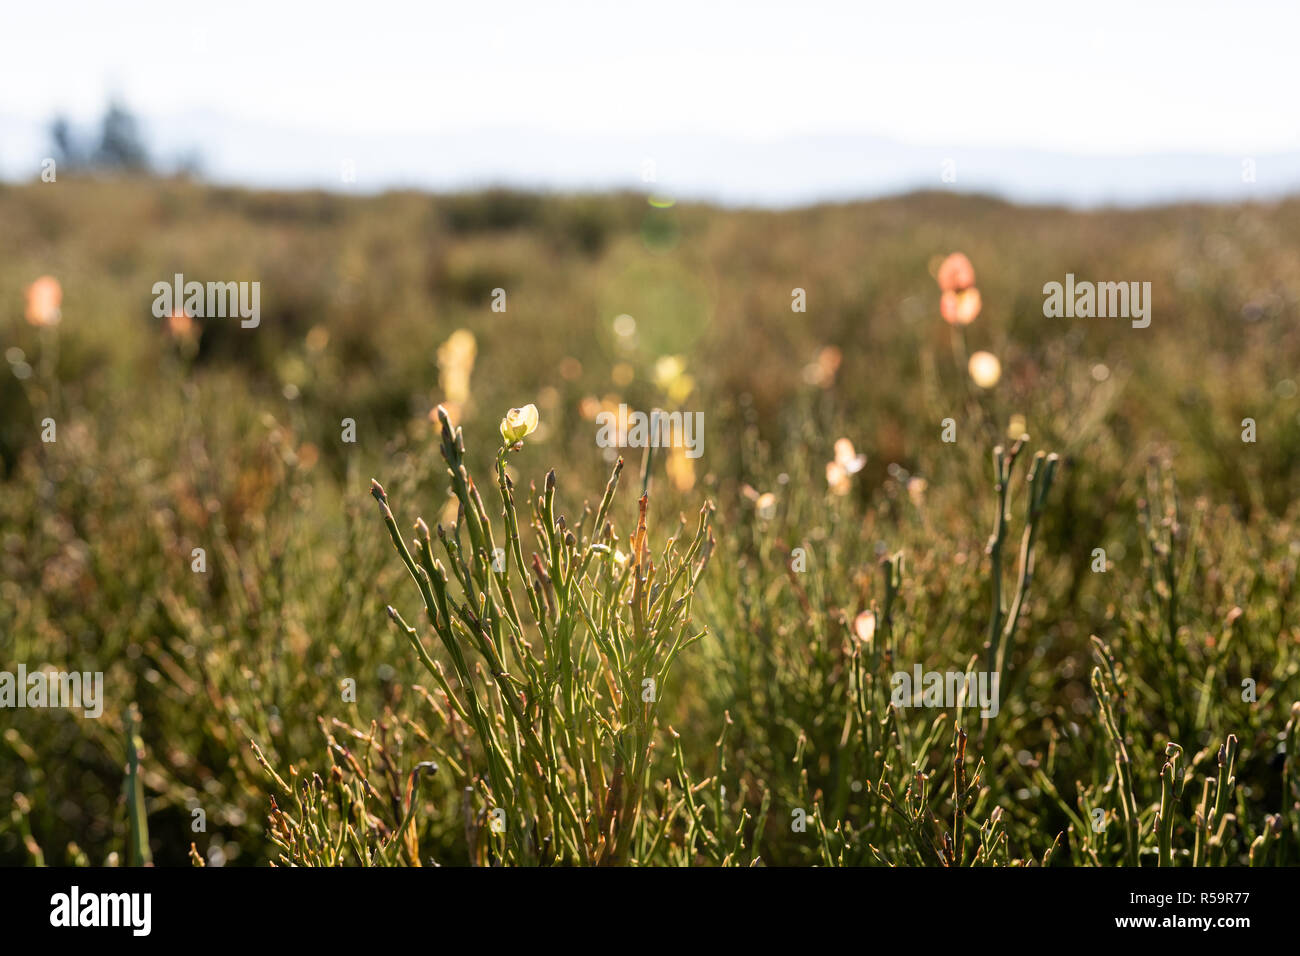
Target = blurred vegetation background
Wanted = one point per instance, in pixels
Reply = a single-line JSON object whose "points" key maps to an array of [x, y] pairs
{"points": [[175, 435]]}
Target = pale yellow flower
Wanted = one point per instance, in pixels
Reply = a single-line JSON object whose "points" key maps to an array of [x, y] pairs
{"points": [[681, 469], [455, 363], [845, 456], [837, 478], [670, 375], [1018, 427], [916, 490], [519, 423], [450, 512], [764, 503], [985, 369], [846, 464], [667, 368]]}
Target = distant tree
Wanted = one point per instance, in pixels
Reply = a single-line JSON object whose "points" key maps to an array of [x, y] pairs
{"points": [[120, 146], [67, 152]]}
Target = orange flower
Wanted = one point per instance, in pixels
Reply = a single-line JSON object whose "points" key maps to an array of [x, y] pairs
{"points": [[956, 273], [960, 303], [864, 626], [181, 325], [960, 308], [821, 371], [44, 297]]}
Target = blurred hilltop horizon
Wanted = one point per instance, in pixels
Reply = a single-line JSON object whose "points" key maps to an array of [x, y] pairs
{"points": [[720, 169]]}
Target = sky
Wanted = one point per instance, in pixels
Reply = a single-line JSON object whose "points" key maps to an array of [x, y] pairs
{"points": [[718, 81]]}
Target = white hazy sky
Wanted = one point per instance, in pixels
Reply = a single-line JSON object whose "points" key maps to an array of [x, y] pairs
{"points": [[739, 101], [1093, 77]]}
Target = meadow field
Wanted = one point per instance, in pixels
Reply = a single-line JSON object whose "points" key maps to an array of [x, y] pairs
{"points": [[1096, 519]]}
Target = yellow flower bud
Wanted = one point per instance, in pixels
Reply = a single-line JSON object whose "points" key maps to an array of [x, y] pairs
{"points": [[519, 423]]}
